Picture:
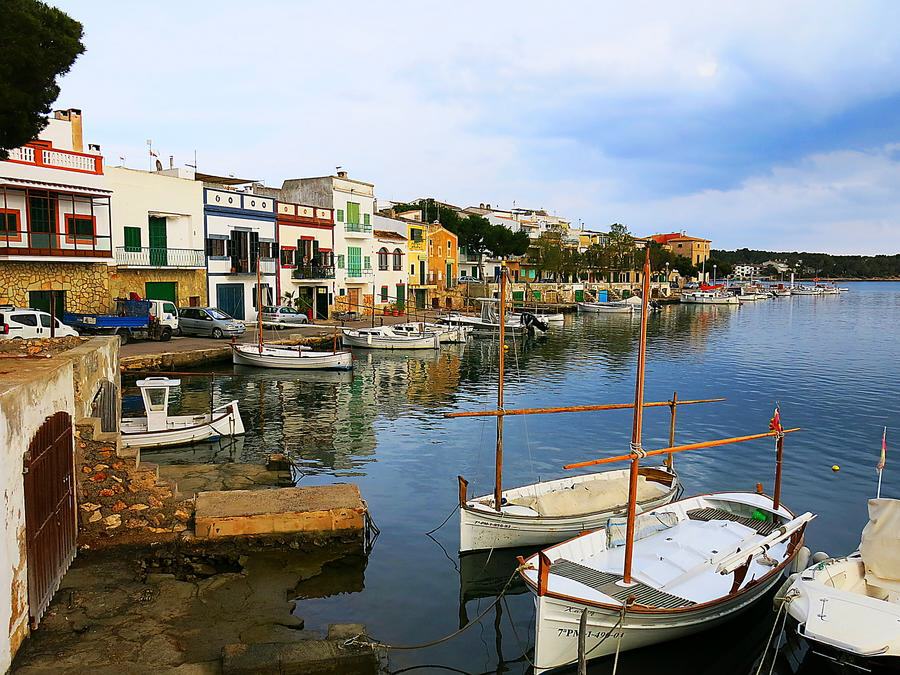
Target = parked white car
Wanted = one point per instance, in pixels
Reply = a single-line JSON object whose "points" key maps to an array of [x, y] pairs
{"points": [[16, 322]]}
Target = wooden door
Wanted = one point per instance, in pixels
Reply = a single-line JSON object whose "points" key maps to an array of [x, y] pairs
{"points": [[50, 522], [353, 299]]}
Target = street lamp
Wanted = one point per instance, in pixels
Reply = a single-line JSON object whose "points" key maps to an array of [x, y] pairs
{"points": [[714, 275]]}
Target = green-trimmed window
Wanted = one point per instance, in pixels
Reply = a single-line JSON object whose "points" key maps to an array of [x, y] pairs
{"points": [[340, 261], [133, 239], [367, 262], [366, 219], [384, 293], [353, 213], [340, 215]]}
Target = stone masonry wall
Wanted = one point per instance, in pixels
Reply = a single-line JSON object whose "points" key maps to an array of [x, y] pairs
{"points": [[189, 283], [86, 284], [117, 500]]}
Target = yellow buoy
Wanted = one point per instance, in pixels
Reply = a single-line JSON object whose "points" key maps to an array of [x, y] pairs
{"points": [[835, 467], [505, 346]]}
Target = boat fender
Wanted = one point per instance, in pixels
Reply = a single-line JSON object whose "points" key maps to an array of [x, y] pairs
{"points": [[818, 556], [801, 560], [781, 593]]}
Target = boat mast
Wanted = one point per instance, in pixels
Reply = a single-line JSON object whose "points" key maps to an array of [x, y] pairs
{"points": [[498, 470], [636, 450], [259, 307]]}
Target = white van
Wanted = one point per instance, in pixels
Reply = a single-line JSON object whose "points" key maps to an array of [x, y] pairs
{"points": [[30, 323]]}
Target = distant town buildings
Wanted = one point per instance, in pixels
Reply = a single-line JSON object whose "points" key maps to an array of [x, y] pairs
{"points": [[694, 249]]}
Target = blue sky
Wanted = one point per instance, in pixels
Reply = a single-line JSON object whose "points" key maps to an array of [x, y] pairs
{"points": [[765, 124]]}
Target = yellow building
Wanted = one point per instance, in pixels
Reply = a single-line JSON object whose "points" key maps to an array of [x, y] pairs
{"points": [[443, 257], [694, 249], [417, 257]]}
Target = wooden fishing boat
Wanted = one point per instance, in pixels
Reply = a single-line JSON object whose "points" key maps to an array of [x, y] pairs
{"points": [[709, 297], [550, 511], [669, 572], [385, 338], [290, 358], [159, 429], [285, 357], [848, 609], [614, 307], [488, 323], [446, 334]]}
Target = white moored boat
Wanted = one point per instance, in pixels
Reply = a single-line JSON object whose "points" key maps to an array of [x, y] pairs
{"points": [[385, 338], [697, 563], [159, 429], [446, 334], [848, 609], [290, 358], [614, 307], [714, 297], [551, 511], [488, 323]]}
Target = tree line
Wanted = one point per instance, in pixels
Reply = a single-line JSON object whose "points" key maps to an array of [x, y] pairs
{"points": [[818, 264]]}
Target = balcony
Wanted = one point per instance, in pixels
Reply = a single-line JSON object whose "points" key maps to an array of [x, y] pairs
{"points": [[57, 159], [312, 272], [357, 228], [245, 266], [359, 273], [26, 242], [160, 257]]}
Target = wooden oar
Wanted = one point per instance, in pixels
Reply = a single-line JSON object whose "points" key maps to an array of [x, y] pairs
{"points": [[681, 448], [575, 408]]}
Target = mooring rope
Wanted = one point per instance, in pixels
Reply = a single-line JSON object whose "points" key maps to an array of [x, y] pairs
{"points": [[783, 608]]}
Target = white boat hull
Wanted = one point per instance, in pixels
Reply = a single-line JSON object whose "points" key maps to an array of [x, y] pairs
{"points": [[183, 429], [710, 300], [482, 527], [290, 359], [432, 341], [608, 307]]}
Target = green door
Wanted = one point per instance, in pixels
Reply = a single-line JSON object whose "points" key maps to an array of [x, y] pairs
{"points": [[161, 290], [158, 243], [401, 296], [42, 300], [579, 295], [354, 261]]}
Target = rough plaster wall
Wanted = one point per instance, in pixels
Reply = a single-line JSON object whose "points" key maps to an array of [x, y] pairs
{"points": [[86, 284], [188, 283], [93, 362], [23, 408], [310, 191]]}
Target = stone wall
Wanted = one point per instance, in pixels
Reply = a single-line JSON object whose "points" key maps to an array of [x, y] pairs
{"points": [[86, 284], [189, 283]]}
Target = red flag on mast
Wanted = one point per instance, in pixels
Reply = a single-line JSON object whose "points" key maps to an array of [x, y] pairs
{"points": [[880, 465], [775, 422]]}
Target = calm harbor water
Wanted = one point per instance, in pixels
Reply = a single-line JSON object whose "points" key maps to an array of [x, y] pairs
{"points": [[829, 361]]}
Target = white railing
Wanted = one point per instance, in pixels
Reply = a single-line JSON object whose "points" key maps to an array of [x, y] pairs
{"points": [[58, 159], [22, 155], [268, 266]]}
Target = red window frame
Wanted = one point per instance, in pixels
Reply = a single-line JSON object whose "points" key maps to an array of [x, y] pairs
{"points": [[72, 237], [6, 235]]}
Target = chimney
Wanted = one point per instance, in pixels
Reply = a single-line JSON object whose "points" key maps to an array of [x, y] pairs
{"points": [[342, 174], [171, 161], [77, 134]]}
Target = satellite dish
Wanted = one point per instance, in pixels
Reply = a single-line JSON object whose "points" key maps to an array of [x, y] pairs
{"points": [[158, 165]]}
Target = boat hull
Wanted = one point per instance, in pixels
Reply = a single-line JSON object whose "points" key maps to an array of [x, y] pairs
{"points": [[482, 528], [607, 308], [291, 359], [185, 429], [390, 342], [557, 621]]}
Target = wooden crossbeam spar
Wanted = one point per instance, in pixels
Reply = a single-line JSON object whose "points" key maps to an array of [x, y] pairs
{"points": [[681, 448], [577, 408]]}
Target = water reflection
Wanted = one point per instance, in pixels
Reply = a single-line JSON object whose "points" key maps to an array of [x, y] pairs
{"points": [[829, 362]]}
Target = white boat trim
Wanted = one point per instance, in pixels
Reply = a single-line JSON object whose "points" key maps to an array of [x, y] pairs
{"points": [[290, 358]]}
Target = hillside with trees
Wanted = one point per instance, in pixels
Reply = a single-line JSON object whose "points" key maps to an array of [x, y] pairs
{"points": [[818, 264]]}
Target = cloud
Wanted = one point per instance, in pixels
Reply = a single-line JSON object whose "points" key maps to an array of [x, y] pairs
{"points": [[587, 109]]}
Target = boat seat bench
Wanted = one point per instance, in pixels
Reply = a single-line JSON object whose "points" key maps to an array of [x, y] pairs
{"points": [[606, 583], [763, 527]]}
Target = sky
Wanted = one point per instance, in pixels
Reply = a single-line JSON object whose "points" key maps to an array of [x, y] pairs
{"points": [[769, 125]]}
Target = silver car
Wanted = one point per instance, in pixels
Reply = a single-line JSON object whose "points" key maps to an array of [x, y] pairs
{"points": [[283, 316], [208, 321]]}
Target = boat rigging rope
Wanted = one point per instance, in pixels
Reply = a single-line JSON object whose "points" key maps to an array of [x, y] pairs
{"points": [[784, 604], [362, 639], [524, 417]]}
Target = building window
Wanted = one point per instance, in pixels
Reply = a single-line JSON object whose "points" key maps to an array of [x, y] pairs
{"points": [[366, 219], [287, 257], [384, 293], [416, 235], [340, 215], [79, 228], [268, 249], [382, 259], [9, 222], [353, 213], [412, 268], [265, 290], [215, 248], [367, 262], [340, 262], [133, 239], [398, 260], [449, 249]]}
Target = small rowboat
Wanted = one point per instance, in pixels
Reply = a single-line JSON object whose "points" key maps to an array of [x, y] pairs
{"points": [[385, 338], [290, 358], [446, 334], [159, 429]]}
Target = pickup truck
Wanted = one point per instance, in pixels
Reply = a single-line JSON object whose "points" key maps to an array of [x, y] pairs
{"points": [[133, 319]]}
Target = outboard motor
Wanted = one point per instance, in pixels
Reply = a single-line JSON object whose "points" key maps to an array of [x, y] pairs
{"points": [[530, 321]]}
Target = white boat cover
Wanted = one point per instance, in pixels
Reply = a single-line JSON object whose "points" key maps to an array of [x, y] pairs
{"points": [[590, 497], [880, 544]]}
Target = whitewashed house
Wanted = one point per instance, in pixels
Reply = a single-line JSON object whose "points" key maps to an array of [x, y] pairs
{"points": [[239, 231], [391, 257]]}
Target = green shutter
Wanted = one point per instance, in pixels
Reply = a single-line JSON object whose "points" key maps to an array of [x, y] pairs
{"points": [[366, 220], [401, 295], [354, 261], [353, 213], [133, 239], [367, 263], [340, 262], [384, 293], [340, 215]]}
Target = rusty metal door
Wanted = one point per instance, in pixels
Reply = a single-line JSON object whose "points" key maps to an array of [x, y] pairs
{"points": [[50, 525]]}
